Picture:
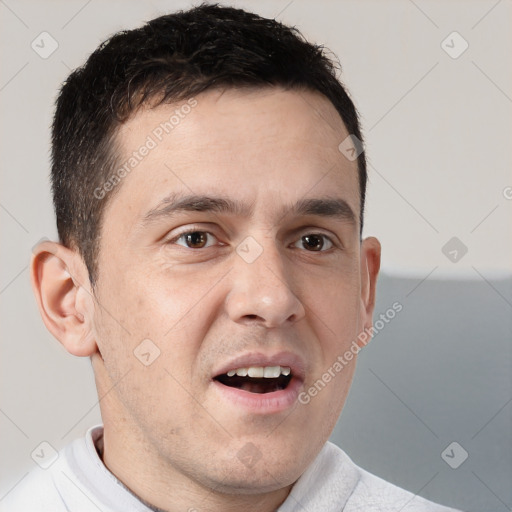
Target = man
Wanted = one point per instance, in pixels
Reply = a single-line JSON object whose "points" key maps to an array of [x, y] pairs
{"points": [[209, 190]]}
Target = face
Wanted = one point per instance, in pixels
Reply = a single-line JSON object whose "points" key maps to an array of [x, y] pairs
{"points": [[231, 278]]}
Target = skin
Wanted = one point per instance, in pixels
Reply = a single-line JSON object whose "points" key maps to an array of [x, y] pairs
{"points": [[169, 436]]}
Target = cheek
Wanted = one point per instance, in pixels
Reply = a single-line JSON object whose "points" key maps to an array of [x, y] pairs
{"points": [[171, 310], [338, 395], [336, 306], [145, 303], [150, 370], [336, 316]]}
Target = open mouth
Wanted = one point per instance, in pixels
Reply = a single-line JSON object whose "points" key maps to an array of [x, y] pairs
{"points": [[257, 379]]}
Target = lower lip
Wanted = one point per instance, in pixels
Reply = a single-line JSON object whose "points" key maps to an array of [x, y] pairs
{"points": [[262, 403]]}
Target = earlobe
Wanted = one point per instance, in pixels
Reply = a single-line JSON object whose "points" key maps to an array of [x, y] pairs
{"points": [[58, 280], [370, 266]]}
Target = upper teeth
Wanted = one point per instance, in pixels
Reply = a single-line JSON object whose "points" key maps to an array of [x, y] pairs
{"points": [[269, 372]]}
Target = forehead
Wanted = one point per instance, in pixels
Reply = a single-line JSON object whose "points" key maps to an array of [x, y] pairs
{"points": [[269, 147]]}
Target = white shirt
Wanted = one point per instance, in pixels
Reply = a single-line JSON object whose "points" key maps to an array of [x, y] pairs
{"points": [[78, 481]]}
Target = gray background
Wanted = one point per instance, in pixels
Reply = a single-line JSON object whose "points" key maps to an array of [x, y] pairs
{"points": [[438, 134]]}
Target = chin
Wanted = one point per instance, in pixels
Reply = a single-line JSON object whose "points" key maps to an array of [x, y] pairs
{"points": [[255, 480], [258, 466]]}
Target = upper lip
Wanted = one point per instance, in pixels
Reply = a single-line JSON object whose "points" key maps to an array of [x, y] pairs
{"points": [[293, 361]]}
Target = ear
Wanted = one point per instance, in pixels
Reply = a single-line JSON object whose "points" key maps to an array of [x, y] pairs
{"points": [[370, 265], [60, 282]]}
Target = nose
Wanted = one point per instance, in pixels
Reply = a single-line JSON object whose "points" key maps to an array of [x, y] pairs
{"points": [[262, 290]]}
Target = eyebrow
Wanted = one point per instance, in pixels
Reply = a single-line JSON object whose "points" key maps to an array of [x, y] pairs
{"points": [[325, 207], [174, 204]]}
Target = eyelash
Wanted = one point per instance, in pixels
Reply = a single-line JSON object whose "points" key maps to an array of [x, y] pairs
{"points": [[198, 230]]}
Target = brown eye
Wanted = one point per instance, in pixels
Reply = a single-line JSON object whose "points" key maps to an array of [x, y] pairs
{"points": [[315, 242], [195, 239]]}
